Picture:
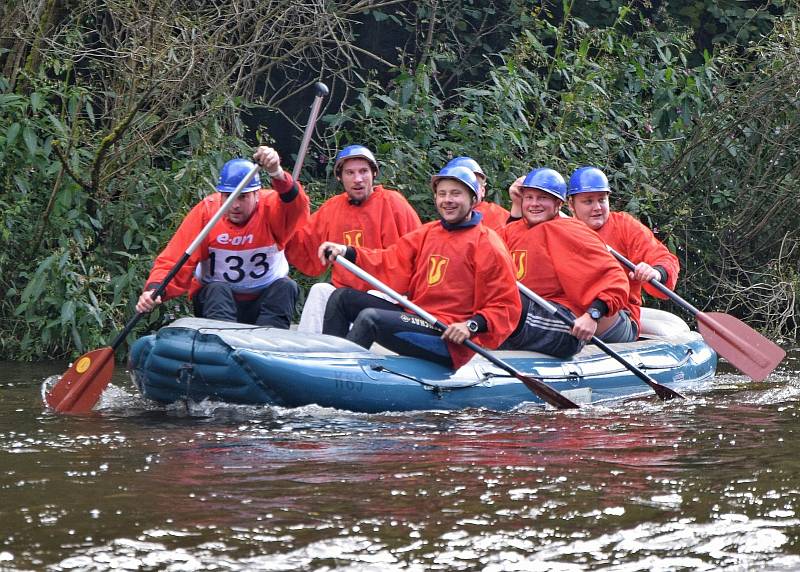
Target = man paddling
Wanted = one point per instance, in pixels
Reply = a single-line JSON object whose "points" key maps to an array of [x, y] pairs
{"points": [[588, 196], [494, 216], [565, 263], [239, 272], [365, 214], [456, 268]]}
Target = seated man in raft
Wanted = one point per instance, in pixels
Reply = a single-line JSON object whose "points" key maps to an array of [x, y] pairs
{"points": [[365, 214], [588, 199], [566, 263], [239, 272], [455, 268]]}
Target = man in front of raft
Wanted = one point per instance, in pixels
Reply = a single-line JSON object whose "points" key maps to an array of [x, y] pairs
{"points": [[588, 196], [564, 262], [455, 268], [239, 273]]}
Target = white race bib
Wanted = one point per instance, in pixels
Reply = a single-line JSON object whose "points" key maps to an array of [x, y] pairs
{"points": [[247, 271]]}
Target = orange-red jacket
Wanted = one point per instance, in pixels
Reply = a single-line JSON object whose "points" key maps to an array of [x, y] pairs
{"points": [[454, 275], [637, 243], [378, 222], [494, 216], [248, 257], [563, 263]]}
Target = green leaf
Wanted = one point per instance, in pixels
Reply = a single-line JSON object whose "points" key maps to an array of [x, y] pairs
{"points": [[12, 132], [31, 143], [68, 312]]}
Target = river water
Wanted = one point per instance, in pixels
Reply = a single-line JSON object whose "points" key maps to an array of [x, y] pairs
{"points": [[709, 483]]}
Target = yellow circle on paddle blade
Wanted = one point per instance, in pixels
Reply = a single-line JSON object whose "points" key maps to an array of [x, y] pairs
{"points": [[83, 364]]}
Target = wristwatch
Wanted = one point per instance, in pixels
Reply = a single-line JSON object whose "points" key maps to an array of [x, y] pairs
{"points": [[595, 314], [472, 326]]}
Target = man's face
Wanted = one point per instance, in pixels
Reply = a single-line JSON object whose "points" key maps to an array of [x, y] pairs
{"points": [[356, 177], [538, 206], [454, 200], [590, 208], [242, 208]]}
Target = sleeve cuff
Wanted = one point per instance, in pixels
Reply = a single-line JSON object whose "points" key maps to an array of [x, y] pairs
{"points": [[482, 325], [601, 306], [663, 272]]}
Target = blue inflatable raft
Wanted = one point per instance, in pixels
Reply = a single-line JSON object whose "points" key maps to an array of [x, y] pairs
{"points": [[195, 359]]}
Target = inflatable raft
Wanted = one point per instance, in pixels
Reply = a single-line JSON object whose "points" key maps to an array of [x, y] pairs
{"points": [[195, 359]]}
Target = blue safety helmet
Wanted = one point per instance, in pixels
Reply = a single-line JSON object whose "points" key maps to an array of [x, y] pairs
{"points": [[588, 180], [461, 174], [232, 174], [469, 163], [355, 152], [547, 180]]}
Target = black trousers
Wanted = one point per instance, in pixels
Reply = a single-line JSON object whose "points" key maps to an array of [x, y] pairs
{"points": [[374, 319], [274, 306]]}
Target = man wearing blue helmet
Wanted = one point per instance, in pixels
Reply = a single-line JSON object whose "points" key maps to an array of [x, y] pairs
{"points": [[456, 268], [588, 197], [365, 214], [564, 262], [239, 272], [494, 216]]}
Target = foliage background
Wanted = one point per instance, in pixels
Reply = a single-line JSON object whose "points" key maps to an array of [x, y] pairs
{"points": [[116, 115]]}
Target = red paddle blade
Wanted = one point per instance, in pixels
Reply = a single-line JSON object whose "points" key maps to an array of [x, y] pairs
{"points": [[81, 385], [748, 351]]}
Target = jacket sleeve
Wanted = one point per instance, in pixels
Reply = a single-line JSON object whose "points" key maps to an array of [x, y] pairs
{"points": [[301, 249], [643, 246], [394, 265], [288, 209], [585, 268], [189, 229], [406, 218], [496, 296]]}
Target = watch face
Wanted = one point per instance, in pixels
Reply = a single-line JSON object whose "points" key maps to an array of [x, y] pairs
{"points": [[472, 326], [595, 314]]}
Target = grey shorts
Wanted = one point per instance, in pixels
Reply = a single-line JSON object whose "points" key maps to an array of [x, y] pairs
{"points": [[543, 332], [623, 330]]}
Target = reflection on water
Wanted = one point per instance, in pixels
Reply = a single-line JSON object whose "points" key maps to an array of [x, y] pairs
{"points": [[706, 484]]}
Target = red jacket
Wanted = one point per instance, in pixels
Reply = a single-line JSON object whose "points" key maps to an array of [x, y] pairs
{"points": [[637, 243], [494, 216], [454, 275], [248, 257], [376, 223], [564, 261]]}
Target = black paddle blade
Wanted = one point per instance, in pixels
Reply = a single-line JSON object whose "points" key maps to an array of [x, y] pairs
{"points": [[545, 392]]}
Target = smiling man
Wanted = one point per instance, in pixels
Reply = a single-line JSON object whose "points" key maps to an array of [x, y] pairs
{"points": [[565, 262], [365, 214], [588, 198], [239, 273], [455, 268]]}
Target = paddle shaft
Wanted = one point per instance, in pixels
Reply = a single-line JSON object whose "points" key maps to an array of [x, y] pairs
{"points": [[656, 284], [539, 388], [662, 391], [321, 91]]}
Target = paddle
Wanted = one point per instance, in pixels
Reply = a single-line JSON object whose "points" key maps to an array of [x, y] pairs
{"points": [[662, 391], [748, 351], [537, 386], [82, 384]]}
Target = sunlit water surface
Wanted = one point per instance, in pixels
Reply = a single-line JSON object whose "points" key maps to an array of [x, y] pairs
{"points": [[704, 484]]}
